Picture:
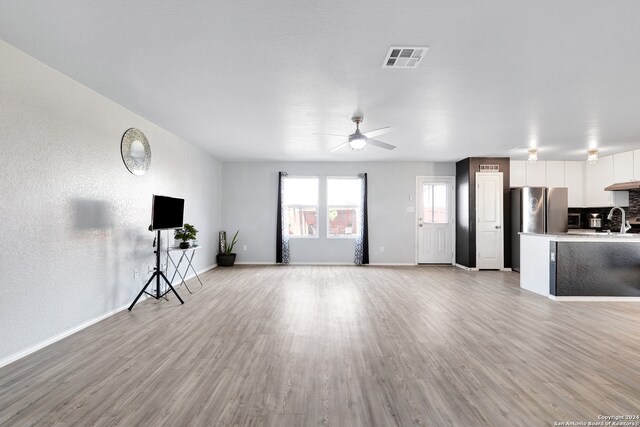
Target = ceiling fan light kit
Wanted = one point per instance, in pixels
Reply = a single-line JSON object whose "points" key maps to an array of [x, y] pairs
{"points": [[359, 140]]}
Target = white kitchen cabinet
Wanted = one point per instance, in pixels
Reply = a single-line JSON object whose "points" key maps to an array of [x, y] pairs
{"points": [[555, 173], [623, 167], [636, 165], [585, 181], [574, 180], [517, 173], [536, 173], [600, 175]]}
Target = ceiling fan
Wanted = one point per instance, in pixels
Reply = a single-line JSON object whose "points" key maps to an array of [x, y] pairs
{"points": [[359, 140]]}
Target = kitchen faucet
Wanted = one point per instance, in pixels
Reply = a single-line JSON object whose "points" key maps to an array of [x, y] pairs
{"points": [[625, 224]]}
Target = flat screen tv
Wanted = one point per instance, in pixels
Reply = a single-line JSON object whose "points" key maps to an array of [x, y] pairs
{"points": [[166, 213]]}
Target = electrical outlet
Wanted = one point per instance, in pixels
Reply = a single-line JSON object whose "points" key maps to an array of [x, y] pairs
{"points": [[135, 274], [381, 248], [244, 247]]}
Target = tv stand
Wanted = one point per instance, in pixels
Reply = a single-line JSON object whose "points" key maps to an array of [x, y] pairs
{"points": [[157, 274]]}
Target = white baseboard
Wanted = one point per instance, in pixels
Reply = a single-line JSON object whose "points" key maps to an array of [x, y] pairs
{"points": [[321, 263], [413, 264], [466, 268], [255, 263], [327, 263], [296, 263], [594, 299], [19, 355]]}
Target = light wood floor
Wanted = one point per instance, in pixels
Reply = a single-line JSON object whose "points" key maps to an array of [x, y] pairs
{"points": [[349, 346]]}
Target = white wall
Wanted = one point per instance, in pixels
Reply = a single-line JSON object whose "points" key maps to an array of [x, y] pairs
{"points": [[73, 218], [249, 198]]}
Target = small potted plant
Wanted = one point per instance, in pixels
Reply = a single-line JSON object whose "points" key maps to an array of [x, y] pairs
{"points": [[187, 233], [227, 258]]}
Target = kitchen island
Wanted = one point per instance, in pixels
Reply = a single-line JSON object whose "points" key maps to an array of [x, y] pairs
{"points": [[568, 266]]}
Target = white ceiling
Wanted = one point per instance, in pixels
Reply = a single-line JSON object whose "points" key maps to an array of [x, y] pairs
{"points": [[252, 80]]}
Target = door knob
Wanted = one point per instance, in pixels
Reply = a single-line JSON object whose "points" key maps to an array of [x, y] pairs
{"points": [[419, 225], [498, 227]]}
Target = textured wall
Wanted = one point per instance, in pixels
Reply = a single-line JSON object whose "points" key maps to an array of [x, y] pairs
{"points": [[73, 218], [251, 187], [615, 273]]}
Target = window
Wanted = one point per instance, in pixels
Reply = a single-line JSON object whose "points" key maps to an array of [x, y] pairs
{"points": [[343, 207], [301, 199], [434, 199]]}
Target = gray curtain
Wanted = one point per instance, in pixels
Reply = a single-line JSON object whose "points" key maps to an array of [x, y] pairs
{"points": [[362, 238], [282, 226]]}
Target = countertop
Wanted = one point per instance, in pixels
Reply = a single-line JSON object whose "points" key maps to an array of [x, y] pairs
{"points": [[589, 237]]}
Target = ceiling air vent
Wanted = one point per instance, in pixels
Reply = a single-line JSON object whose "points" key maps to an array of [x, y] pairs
{"points": [[404, 57]]}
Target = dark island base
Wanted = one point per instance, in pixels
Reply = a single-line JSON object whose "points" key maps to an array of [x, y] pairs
{"points": [[595, 269]]}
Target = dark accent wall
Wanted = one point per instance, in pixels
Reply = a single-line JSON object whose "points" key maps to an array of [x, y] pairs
{"points": [[463, 225], [466, 208]]}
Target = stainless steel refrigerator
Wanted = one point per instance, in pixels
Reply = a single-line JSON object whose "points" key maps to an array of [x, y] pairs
{"points": [[539, 210]]}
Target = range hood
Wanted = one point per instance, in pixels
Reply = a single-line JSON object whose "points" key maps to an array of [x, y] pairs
{"points": [[624, 186]]}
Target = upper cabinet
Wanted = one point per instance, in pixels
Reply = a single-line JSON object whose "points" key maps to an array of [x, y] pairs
{"points": [[536, 173], [636, 165], [574, 180], [524, 173], [623, 167], [585, 181], [555, 174], [517, 177], [600, 175]]}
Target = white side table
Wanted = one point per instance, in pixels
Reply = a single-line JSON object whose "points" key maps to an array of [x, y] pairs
{"points": [[184, 254]]}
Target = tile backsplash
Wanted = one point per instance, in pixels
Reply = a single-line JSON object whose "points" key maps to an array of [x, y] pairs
{"points": [[634, 203], [633, 210]]}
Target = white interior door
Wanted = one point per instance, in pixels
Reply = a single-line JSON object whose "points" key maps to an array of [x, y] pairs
{"points": [[435, 220], [489, 222]]}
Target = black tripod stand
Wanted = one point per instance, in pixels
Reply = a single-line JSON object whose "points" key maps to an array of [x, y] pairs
{"points": [[157, 274]]}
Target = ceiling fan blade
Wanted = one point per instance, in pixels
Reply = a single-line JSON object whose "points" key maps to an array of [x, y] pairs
{"points": [[377, 132], [339, 147], [380, 144], [331, 134]]}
